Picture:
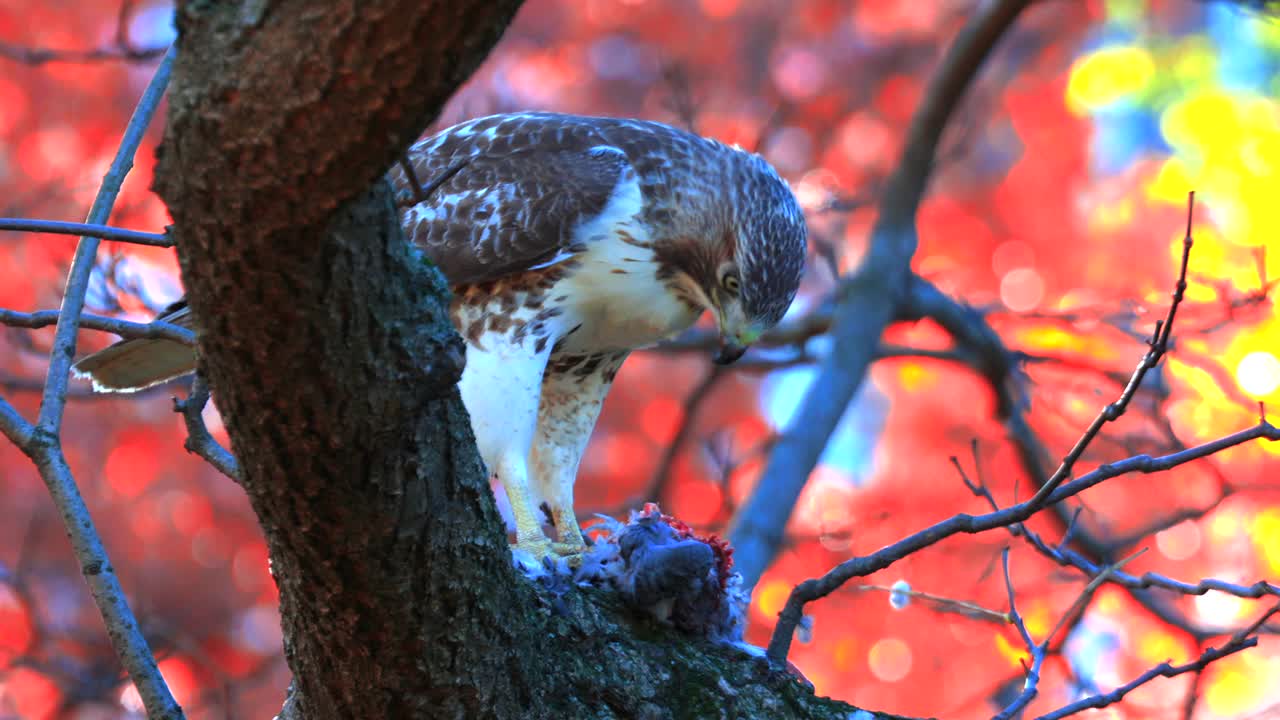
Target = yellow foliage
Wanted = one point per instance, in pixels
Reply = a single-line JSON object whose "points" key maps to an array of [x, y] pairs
{"points": [[1108, 76]]}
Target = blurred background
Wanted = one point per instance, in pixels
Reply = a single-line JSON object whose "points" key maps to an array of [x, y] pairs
{"points": [[1057, 208]]}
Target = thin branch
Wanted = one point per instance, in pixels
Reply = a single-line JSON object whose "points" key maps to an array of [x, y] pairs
{"points": [[28, 55], [411, 175], [154, 330], [867, 301], [1067, 557], [199, 440], [940, 603], [123, 48], [1040, 652], [1193, 695], [1242, 640], [421, 193], [1159, 343], [1082, 601], [44, 445], [816, 588], [14, 426], [104, 232], [64, 342], [1030, 686]]}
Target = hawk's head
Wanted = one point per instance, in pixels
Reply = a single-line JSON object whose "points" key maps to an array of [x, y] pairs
{"points": [[761, 258]]}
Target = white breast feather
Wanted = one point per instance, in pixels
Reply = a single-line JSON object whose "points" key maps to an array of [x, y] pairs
{"points": [[620, 311]]}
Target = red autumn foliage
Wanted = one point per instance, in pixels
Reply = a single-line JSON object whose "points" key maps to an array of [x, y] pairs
{"points": [[1030, 217]]}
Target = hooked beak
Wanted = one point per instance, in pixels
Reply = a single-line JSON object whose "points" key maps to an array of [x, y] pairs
{"points": [[730, 350]]}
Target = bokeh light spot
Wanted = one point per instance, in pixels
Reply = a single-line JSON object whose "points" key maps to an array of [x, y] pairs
{"points": [[132, 464], [771, 596], [720, 9], [914, 376], [1258, 373], [697, 502], [660, 416], [1215, 608], [890, 659], [845, 654], [1022, 289], [1266, 537], [1107, 76], [1011, 255], [1159, 646], [31, 694], [1180, 541], [1232, 693], [799, 73]]}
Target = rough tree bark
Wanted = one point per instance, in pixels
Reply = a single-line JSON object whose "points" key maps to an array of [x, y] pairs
{"points": [[333, 363]]}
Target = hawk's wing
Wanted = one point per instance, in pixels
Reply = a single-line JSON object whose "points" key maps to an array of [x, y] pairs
{"points": [[516, 200]]}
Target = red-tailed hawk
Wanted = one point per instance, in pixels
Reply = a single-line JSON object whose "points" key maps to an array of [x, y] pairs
{"points": [[568, 242]]}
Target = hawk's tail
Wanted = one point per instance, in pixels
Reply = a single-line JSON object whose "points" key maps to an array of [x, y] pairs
{"points": [[132, 365]]}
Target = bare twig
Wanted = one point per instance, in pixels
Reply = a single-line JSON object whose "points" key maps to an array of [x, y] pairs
{"points": [[1036, 652], [43, 444], [1067, 557], [815, 588], [122, 49], [64, 343], [412, 175], [1039, 652], [28, 55], [940, 603], [14, 426], [867, 301], [1159, 343], [104, 232], [154, 330], [1193, 694], [1242, 640], [421, 193], [199, 440], [1086, 595]]}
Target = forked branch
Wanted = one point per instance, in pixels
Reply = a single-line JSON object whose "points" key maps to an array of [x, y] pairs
{"points": [[42, 443]]}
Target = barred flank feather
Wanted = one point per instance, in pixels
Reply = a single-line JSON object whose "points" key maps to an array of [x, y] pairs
{"points": [[137, 364]]}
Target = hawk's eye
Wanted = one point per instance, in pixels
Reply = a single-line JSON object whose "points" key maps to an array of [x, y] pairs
{"points": [[731, 283]]}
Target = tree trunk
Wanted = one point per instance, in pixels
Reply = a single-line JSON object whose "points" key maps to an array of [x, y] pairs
{"points": [[328, 345]]}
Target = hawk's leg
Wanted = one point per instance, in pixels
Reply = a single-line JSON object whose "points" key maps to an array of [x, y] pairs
{"points": [[500, 387], [573, 391]]}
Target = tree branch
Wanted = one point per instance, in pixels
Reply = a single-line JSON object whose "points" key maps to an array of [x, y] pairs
{"points": [[1242, 640], [1035, 652], [14, 426], [43, 445], [154, 330], [64, 341], [1159, 343], [868, 301], [1067, 557], [103, 232], [199, 440], [814, 589], [332, 356], [41, 56]]}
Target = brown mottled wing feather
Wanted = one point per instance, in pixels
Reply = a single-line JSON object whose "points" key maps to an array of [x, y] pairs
{"points": [[528, 182]]}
